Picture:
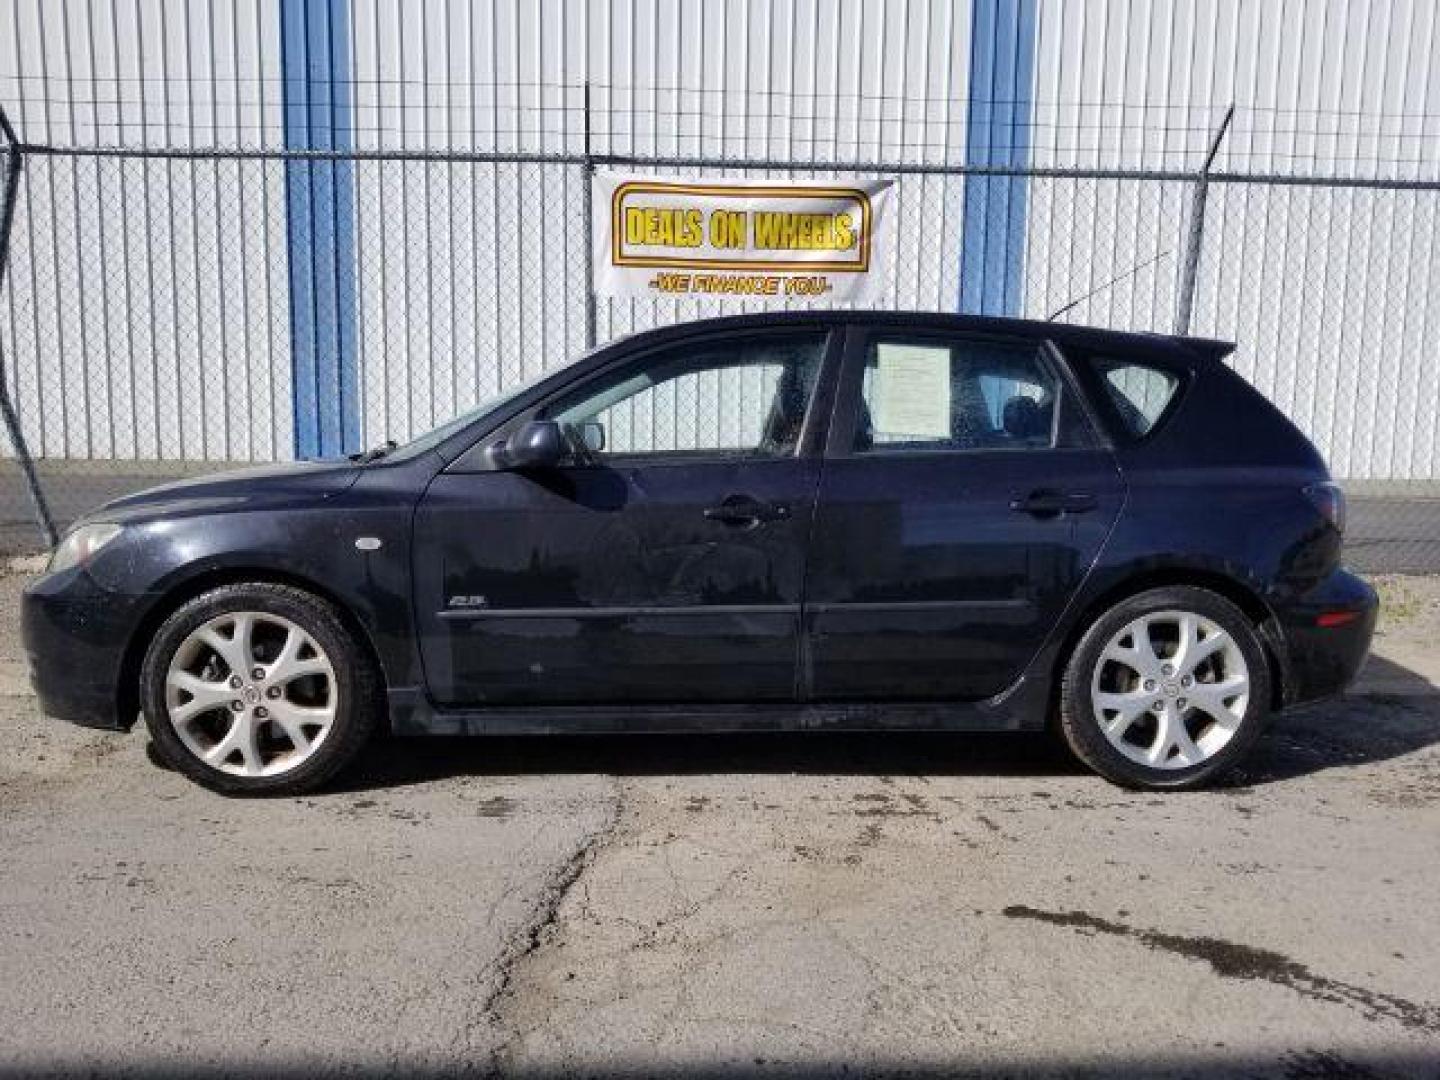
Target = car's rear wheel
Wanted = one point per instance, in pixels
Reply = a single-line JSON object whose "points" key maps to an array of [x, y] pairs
{"points": [[258, 688], [1167, 689]]}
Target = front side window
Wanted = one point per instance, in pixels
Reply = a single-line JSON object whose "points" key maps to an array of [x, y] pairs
{"points": [[742, 398], [925, 394]]}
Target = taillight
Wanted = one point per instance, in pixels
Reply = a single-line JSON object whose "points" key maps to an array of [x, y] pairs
{"points": [[1330, 501]]}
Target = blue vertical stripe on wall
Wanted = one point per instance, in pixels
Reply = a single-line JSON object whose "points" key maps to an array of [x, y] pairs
{"points": [[998, 128], [320, 203]]}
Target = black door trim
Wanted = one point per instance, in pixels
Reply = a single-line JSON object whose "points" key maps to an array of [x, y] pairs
{"points": [[918, 605], [619, 611]]}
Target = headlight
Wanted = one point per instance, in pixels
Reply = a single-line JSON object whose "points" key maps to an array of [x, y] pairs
{"points": [[79, 546]]}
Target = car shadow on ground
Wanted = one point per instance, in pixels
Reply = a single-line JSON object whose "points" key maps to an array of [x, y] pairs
{"points": [[416, 760], [1375, 726], [1394, 713]]}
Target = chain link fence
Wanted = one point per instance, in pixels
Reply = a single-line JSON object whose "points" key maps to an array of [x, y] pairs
{"points": [[160, 314]]}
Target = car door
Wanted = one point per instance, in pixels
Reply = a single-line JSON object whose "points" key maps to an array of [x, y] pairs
{"points": [[664, 563], [965, 496]]}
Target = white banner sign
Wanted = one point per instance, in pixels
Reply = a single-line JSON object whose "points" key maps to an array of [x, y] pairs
{"points": [[793, 239]]}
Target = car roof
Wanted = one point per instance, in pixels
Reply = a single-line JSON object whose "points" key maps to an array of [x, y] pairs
{"points": [[1063, 334]]}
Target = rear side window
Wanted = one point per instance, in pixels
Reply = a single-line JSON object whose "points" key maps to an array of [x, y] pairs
{"points": [[1139, 392], [926, 394]]}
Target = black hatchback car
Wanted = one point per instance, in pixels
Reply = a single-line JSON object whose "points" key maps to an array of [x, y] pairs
{"points": [[801, 520]]}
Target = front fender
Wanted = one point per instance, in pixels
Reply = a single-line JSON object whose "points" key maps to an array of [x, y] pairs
{"points": [[352, 548]]}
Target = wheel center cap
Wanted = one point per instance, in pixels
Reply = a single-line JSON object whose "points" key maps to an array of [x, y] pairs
{"points": [[1171, 687], [252, 695]]}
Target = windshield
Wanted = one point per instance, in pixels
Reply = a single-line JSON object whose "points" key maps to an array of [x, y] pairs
{"points": [[435, 436]]}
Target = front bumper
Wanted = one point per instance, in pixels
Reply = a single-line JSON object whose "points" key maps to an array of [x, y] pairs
{"points": [[1322, 660], [75, 635]]}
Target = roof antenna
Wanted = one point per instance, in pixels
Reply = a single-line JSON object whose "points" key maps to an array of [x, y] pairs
{"points": [[1105, 285]]}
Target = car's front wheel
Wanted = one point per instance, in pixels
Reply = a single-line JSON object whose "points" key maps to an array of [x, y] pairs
{"points": [[1166, 689], [258, 688]]}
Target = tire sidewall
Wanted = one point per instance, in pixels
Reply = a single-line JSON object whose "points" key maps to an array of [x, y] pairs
{"points": [[354, 687], [1082, 727]]}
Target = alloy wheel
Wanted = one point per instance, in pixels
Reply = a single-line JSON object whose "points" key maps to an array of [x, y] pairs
{"points": [[251, 694], [1170, 690]]}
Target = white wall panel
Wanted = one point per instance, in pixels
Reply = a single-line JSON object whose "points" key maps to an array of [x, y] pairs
{"points": [[1327, 87], [482, 277], [142, 72], [1323, 289], [147, 300]]}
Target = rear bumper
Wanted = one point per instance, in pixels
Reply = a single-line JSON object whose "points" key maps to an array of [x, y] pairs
{"points": [[1321, 660], [74, 634]]}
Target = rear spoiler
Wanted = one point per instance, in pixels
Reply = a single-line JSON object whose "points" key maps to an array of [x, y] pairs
{"points": [[1206, 348]]}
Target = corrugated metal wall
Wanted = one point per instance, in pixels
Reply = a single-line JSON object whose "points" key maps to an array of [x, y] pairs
{"points": [[712, 79], [468, 277], [123, 274], [1327, 291], [1323, 86]]}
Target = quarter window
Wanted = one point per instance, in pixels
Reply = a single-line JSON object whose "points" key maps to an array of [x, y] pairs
{"points": [[1139, 392], [972, 395], [741, 398]]}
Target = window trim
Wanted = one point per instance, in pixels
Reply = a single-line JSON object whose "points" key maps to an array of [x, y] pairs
{"points": [[1086, 365], [812, 428], [1096, 431], [841, 442]]}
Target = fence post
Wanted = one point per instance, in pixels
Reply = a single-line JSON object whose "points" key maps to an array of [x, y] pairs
{"points": [[14, 162], [587, 230], [1190, 268]]}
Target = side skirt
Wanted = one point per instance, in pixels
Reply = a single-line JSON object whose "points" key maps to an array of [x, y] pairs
{"points": [[1021, 708]]}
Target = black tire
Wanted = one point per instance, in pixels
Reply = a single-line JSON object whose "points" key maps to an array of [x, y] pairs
{"points": [[1081, 727], [359, 705]]}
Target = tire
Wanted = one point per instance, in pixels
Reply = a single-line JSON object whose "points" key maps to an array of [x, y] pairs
{"points": [[1167, 729], [308, 704]]}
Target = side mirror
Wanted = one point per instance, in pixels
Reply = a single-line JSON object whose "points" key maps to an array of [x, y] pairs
{"points": [[540, 444]]}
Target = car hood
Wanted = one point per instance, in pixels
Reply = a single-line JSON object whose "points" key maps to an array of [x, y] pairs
{"points": [[296, 483]]}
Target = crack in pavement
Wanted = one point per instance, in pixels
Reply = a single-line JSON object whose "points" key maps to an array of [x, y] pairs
{"points": [[1235, 961], [544, 917]]}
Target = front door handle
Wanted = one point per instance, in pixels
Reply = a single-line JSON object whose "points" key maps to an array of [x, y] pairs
{"points": [[1047, 503], [746, 512]]}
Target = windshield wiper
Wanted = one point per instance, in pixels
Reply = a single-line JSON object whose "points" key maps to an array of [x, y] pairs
{"points": [[374, 453]]}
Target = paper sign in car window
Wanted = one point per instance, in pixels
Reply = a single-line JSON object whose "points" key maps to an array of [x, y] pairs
{"points": [[912, 391]]}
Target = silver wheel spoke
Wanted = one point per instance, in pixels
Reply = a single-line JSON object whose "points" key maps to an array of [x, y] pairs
{"points": [[1173, 746], [1203, 650], [294, 719], [241, 737], [1188, 627], [204, 695], [236, 647], [1213, 698], [1127, 708], [1144, 647], [288, 665], [1140, 655]]}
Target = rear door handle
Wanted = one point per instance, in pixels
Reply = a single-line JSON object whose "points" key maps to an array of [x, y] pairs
{"points": [[745, 511], [1046, 503]]}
